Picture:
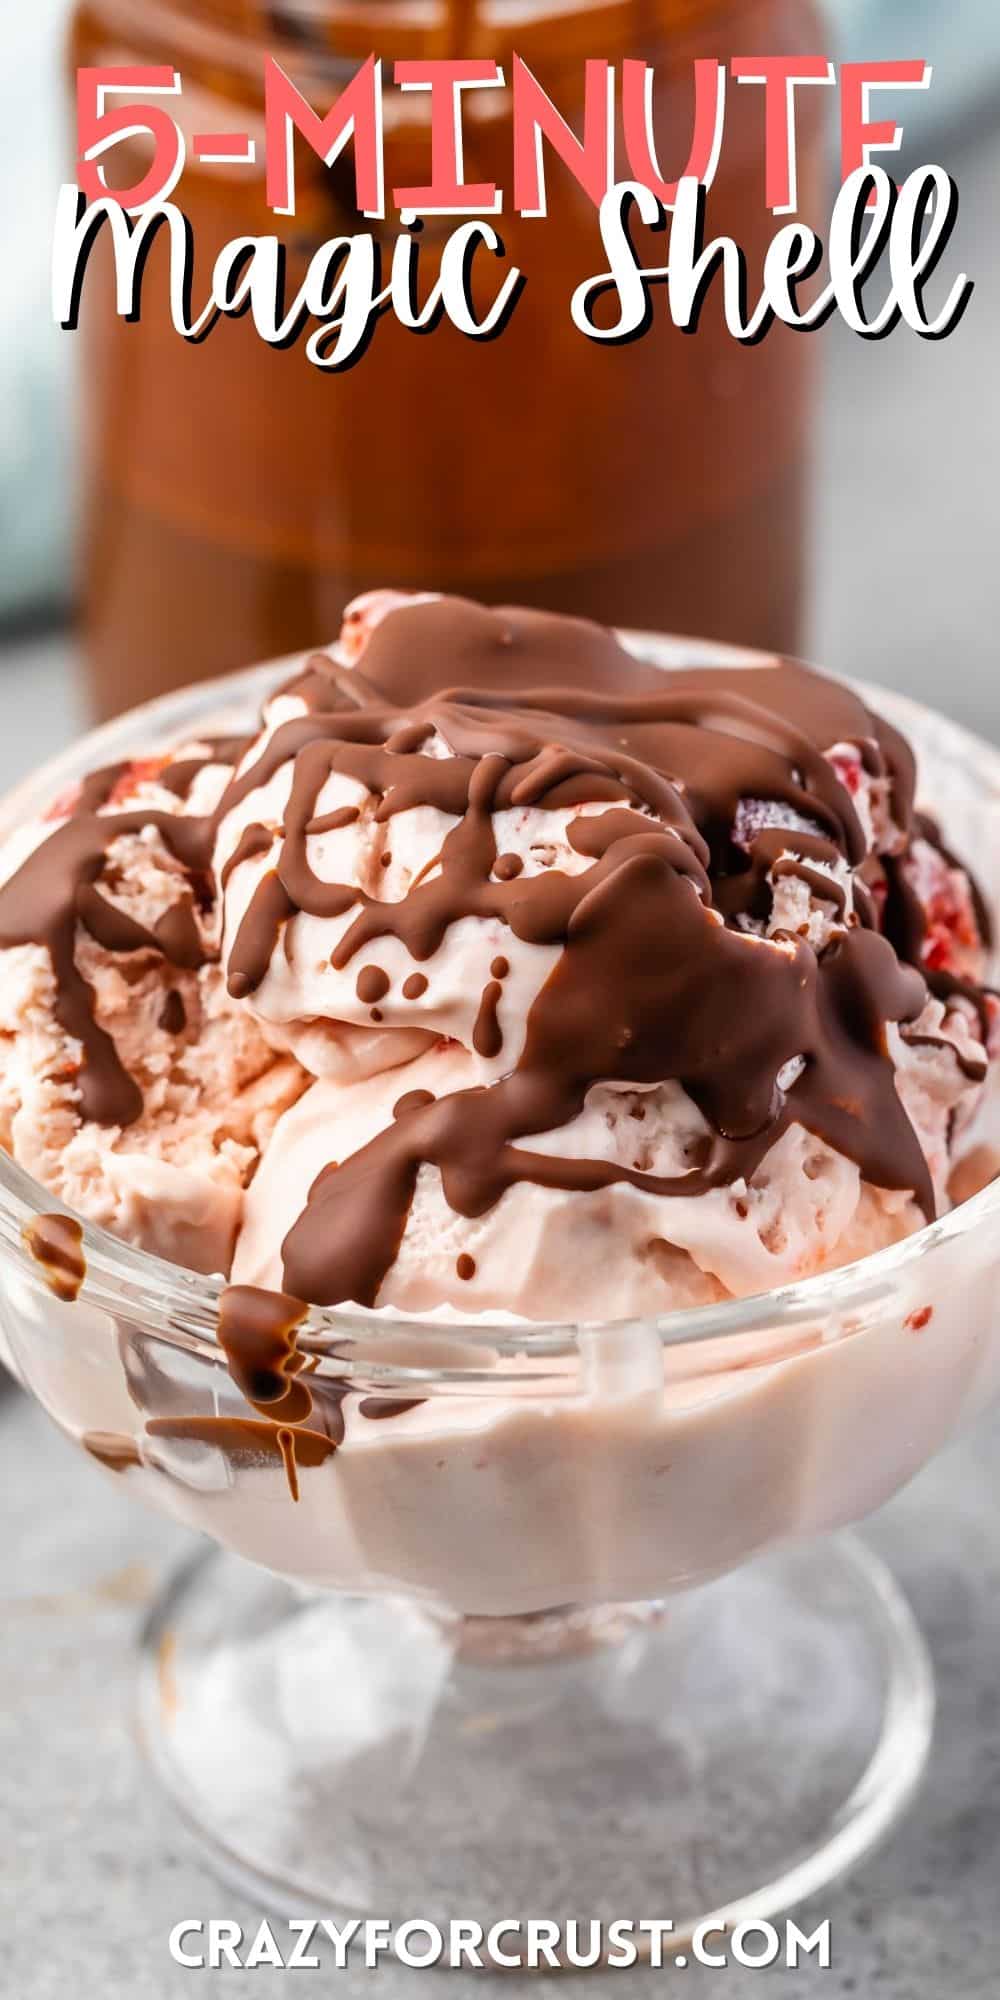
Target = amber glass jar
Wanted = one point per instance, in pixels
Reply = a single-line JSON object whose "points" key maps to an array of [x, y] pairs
{"points": [[235, 497]]}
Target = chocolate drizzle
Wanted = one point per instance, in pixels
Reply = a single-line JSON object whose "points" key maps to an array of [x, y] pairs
{"points": [[173, 1013], [661, 972], [112, 1449], [246, 1439], [487, 1035], [372, 984], [378, 1408], [258, 1335], [55, 1242], [506, 866]]}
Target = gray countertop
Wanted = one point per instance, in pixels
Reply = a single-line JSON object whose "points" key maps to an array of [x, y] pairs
{"points": [[95, 1873]]}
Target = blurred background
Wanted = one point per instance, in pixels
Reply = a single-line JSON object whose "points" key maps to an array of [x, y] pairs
{"points": [[167, 512]]}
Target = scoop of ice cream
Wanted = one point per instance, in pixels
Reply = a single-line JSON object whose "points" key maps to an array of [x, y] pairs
{"points": [[673, 939], [616, 1248], [129, 1083], [621, 989], [609, 1251]]}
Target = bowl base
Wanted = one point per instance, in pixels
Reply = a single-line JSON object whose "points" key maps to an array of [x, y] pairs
{"points": [[722, 1755]]}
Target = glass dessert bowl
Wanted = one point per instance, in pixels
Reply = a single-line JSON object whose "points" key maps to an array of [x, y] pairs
{"points": [[535, 1617]]}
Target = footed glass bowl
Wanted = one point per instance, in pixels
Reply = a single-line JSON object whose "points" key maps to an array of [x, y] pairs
{"points": [[559, 1632]]}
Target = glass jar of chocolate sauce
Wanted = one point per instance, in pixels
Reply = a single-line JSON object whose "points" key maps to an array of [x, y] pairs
{"points": [[235, 497]]}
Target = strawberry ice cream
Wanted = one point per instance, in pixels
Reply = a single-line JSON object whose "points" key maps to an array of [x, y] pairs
{"points": [[500, 972]]}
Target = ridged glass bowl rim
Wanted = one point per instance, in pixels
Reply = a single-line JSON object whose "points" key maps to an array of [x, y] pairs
{"points": [[181, 1307]]}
